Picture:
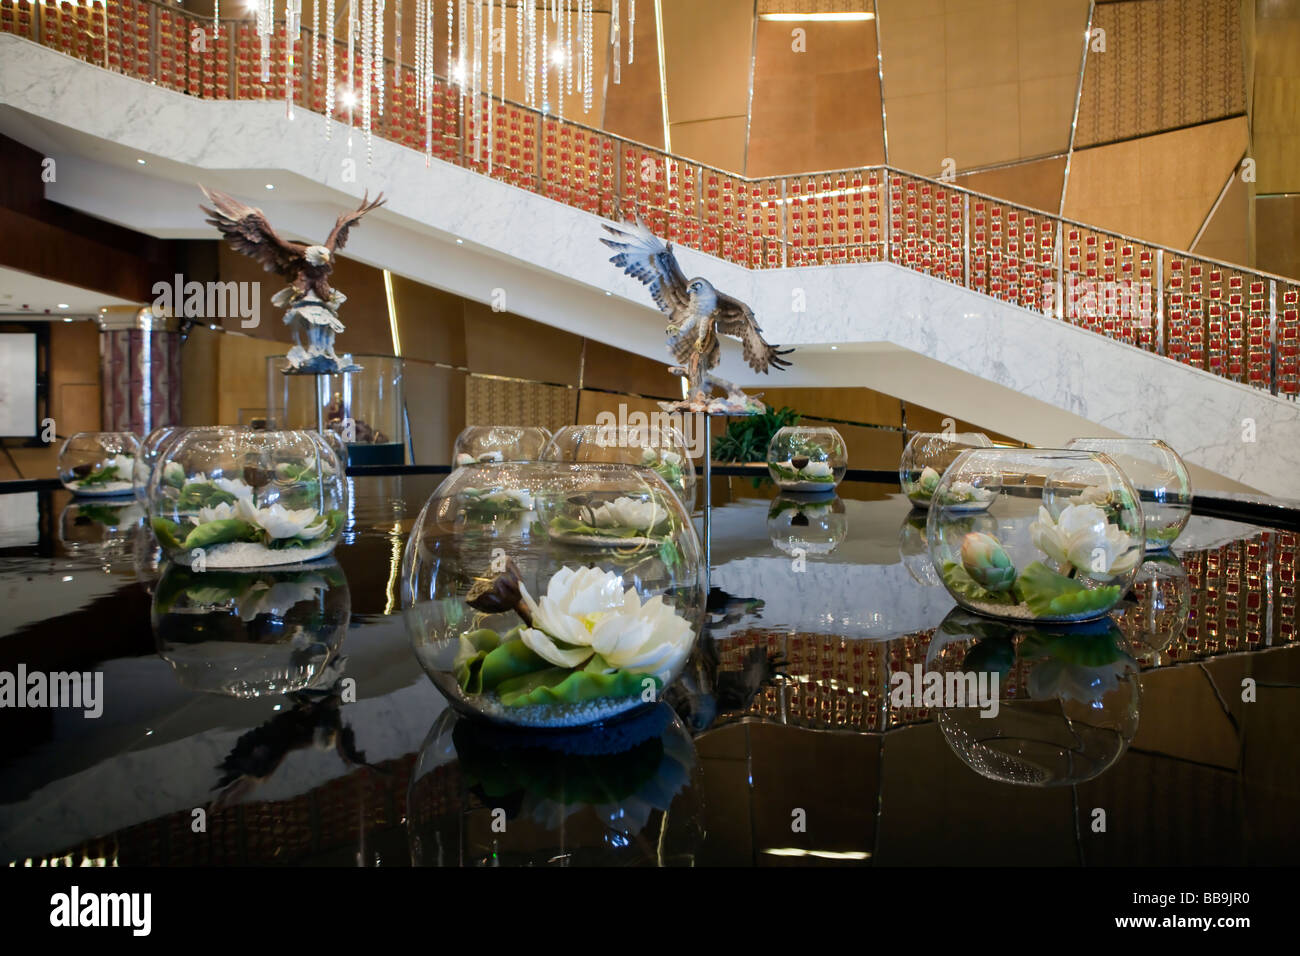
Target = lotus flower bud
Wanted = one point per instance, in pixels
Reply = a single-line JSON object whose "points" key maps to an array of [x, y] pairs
{"points": [[985, 561]]}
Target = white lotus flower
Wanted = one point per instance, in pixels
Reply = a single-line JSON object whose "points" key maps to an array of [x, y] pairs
{"points": [[1094, 495], [233, 486], [222, 512], [281, 522], [817, 469], [279, 597], [628, 513], [670, 458], [589, 611], [463, 459], [929, 479], [1084, 538], [173, 473], [123, 466], [649, 456], [963, 492]]}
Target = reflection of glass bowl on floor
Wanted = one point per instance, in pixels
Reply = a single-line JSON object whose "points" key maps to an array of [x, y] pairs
{"points": [[251, 633], [1164, 601], [85, 524], [1067, 698], [624, 795], [814, 525]]}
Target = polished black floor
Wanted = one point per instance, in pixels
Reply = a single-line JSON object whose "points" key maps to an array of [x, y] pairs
{"points": [[303, 731]]}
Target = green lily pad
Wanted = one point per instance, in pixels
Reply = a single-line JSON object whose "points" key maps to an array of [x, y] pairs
{"points": [[1049, 593], [168, 533], [562, 685], [960, 582], [488, 659], [221, 532]]}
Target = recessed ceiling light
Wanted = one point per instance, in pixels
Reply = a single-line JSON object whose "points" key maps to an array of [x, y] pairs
{"points": [[270, 185], [63, 305], [140, 161], [68, 319], [460, 242], [835, 348], [823, 17]]}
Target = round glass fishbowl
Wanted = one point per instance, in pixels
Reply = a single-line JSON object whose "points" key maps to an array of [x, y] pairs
{"points": [[1162, 603], [583, 613], [251, 633], [914, 547], [1161, 480], [239, 498], [624, 796], [660, 448], [925, 459], [99, 463], [365, 408], [807, 458], [1068, 537], [815, 526], [489, 443], [151, 449], [1033, 705]]}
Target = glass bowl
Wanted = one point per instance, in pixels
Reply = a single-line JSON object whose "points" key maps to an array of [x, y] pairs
{"points": [[1161, 480], [662, 449], [1068, 539], [99, 463], [251, 633], [486, 795], [1055, 705], [914, 547], [807, 458], [239, 498], [813, 526], [87, 524], [1161, 606], [487, 443], [608, 570], [925, 459], [150, 448]]}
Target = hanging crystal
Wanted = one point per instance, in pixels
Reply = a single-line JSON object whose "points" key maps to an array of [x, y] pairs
{"points": [[426, 78], [350, 98], [216, 18], [487, 100], [378, 44], [519, 39], [397, 44], [329, 69], [367, 63], [546, 59], [586, 56], [419, 54], [568, 47], [631, 32], [292, 10], [315, 36], [265, 26]]}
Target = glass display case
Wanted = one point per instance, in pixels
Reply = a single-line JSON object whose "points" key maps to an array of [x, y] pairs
{"points": [[1068, 537], [99, 463], [581, 611], [239, 498]]}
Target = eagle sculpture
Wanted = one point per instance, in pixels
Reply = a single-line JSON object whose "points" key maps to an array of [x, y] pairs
{"points": [[311, 304], [697, 314]]}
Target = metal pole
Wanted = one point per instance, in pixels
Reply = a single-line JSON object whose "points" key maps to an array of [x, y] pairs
{"points": [[708, 500]]}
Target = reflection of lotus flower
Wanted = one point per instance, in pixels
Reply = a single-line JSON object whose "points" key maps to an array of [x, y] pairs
{"points": [[1084, 538], [1058, 678], [817, 469], [628, 513], [278, 598], [589, 612], [234, 486], [123, 466], [985, 561], [929, 479], [649, 456], [173, 474], [963, 492], [463, 459]]}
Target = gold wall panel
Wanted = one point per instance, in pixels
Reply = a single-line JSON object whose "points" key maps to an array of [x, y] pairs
{"points": [[435, 402], [1167, 64], [1277, 223], [501, 343], [634, 107], [1036, 185], [613, 370], [496, 401], [818, 108], [1227, 236], [1275, 115], [1159, 188]]}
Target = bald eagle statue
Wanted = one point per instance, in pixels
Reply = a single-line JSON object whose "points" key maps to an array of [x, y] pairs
{"points": [[311, 305], [697, 314]]}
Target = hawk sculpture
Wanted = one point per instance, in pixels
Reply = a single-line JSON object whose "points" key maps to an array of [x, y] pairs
{"points": [[697, 315], [311, 305]]}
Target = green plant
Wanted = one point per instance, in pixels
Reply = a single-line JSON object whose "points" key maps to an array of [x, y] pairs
{"points": [[747, 438]]}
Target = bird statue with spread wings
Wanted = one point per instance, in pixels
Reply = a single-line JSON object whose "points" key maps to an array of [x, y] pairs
{"points": [[697, 314], [311, 305]]}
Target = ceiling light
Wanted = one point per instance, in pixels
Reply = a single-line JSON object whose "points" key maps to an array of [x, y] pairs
{"points": [[68, 319], [557, 55], [270, 186], [140, 161], [834, 348], [63, 305], [822, 17], [460, 242]]}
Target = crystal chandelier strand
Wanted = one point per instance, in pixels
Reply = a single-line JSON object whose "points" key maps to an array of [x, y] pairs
{"points": [[546, 59], [397, 45], [265, 25], [631, 32], [419, 54], [216, 18], [315, 36], [367, 63], [519, 39], [378, 43], [426, 79], [586, 56], [291, 27], [476, 74], [329, 69], [568, 46], [351, 97]]}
